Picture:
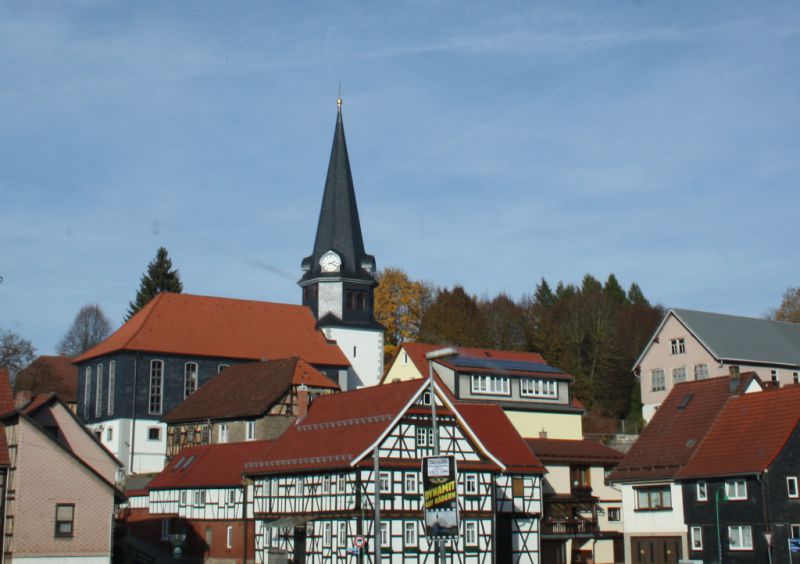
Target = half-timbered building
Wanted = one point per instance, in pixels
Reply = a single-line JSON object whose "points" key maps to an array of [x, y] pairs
{"points": [[314, 491], [246, 402]]}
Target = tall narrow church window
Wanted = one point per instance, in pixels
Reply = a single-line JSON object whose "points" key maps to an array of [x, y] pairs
{"points": [[112, 381], [350, 300], [361, 301], [98, 395], [156, 385], [87, 388], [189, 379]]}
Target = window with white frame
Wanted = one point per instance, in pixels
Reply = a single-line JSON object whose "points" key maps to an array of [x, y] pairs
{"points": [[112, 382], [700, 371], [470, 484], [156, 385], [333, 484], [773, 375], [538, 388], [87, 388], [410, 533], [736, 489], [410, 482], [327, 528], [229, 537], [98, 392], [471, 533], [659, 382], [251, 431], [796, 377], [791, 486], [740, 537], [492, 385], [424, 436], [183, 493], [614, 514], [678, 346], [326, 484], [696, 538], [342, 533], [678, 374], [164, 529], [702, 491], [189, 379], [426, 397], [384, 533], [109, 434], [222, 433], [199, 498], [653, 498], [385, 482]]}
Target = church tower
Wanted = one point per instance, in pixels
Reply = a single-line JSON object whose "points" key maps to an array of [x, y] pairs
{"points": [[339, 276]]}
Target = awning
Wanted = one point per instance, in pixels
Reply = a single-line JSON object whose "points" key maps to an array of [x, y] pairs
{"points": [[288, 522]]}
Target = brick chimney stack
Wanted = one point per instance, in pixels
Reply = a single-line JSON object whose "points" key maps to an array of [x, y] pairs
{"points": [[734, 378], [302, 401]]}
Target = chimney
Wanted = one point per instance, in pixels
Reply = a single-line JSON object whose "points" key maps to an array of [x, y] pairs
{"points": [[542, 434], [22, 399], [302, 401], [733, 378]]}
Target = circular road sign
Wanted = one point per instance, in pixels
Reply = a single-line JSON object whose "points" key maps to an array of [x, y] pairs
{"points": [[359, 542]]}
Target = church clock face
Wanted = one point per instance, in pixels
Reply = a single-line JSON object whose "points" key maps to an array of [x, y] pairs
{"points": [[330, 262]]}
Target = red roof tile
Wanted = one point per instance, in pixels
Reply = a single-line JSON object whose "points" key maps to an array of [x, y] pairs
{"points": [[581, 452], [209, 465], [49, 374], [247, 390], [224, 328], [749, 433], [6, 398], [672, 436]]}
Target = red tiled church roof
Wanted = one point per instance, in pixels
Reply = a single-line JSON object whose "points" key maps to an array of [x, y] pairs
{"points": [[247, 390], [224, 328], [209, 465], [566, 451], [675, 431], [749, 433], [49, 374]]}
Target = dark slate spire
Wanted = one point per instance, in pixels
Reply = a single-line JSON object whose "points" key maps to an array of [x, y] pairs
{"points": [[339, 229]]}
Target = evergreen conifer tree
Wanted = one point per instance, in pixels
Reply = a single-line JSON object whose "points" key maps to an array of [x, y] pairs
{"points": [[160, 277]]}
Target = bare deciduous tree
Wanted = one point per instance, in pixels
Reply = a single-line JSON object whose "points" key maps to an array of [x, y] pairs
{"points": [[15, 352], [90, 327]]}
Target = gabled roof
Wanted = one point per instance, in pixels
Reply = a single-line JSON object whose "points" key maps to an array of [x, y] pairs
{"points": [[749, 433], [247, 390], [222, 328], [417, 351], [209, 466], [555, 451], [734, 338], [49, 374], [339, 228], [670, 439], [341, 429]]}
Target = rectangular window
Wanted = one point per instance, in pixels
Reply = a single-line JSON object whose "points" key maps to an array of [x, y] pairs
{"points": [[538, 388], [614, 514], [740, 537], [112, 382], [385, 482], [229, 537], [189, 379], [183, 493], [164, 529], [794, 530], [333, 484], [156, 384], [98, 392], [702, 491], [796, 377], [493, 385], [65, 519], [251, 430], [426, 397], [773, 376], [410, 533], [471, 533], [410, 479], [342, 533], [679, 375], [231, 497], [199, 498], [678, 346], [657, 498], [154, 434], [791, 486], [222, 435], [696, 538], [470, 484], [326, 484], [87, 389], [700, 371], [326, 533], [405, 358], [384, 533], [109, 434], [517, 487], [579, 477], [424, 436], [659, 381], [736, 489]]}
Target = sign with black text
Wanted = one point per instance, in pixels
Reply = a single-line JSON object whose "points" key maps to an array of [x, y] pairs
{"points": [[439, 481]]}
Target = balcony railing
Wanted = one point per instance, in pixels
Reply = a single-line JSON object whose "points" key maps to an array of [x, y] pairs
{"points": [[569, 527]]}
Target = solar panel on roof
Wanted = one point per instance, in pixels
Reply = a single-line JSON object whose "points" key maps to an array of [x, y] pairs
{"points": [[496, 364]]}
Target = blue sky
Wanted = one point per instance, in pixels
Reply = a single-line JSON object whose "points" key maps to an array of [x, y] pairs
{"points": [[492, 144]]}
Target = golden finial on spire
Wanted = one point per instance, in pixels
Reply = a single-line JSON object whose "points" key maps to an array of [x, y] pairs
{"points": [[339, 99]]}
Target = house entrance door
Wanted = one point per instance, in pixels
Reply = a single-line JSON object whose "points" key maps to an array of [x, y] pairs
{"points": [[299, 545], [656, 550]]}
